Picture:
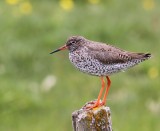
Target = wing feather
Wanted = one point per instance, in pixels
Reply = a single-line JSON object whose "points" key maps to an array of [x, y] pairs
{"points": [[108, 54]]}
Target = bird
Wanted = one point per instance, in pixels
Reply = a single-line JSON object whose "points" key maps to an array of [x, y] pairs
{"points": [[100, 59]]}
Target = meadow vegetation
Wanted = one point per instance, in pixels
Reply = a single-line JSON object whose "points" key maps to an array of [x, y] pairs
{"points": [[39, 91]]}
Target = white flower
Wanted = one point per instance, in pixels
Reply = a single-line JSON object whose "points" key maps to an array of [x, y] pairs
{"points": [[48, 83]]}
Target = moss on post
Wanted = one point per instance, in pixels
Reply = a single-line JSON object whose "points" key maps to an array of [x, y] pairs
{"points": [[98, 119]]}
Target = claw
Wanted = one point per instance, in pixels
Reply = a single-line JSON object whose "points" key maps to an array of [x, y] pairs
{"points": [[95, 105]]}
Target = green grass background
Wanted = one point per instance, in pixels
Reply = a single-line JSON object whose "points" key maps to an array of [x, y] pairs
{"points": [[27, 39]]}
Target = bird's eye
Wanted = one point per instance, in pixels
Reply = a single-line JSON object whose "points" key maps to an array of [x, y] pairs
{"points": [[73, 42]]}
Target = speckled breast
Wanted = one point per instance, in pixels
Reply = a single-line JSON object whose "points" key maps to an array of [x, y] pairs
{"points": [[85, 63]]}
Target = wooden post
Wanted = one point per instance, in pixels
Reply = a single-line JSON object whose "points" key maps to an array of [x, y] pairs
{"points": [[98, 119]]}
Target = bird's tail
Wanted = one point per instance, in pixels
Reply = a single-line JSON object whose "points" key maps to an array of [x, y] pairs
{"points": [[140, 56], [137, 58], [147, 56], [144, 56]]}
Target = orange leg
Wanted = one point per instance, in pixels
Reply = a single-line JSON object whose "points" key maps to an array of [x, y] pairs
{"points": [[97, 104], [100, 93], [107, 90]]}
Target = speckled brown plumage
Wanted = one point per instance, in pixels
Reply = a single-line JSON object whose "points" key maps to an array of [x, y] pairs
{"points": [[100, 59]]}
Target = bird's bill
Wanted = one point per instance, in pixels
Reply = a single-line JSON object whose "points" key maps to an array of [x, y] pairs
{"points": [[59, 49]]}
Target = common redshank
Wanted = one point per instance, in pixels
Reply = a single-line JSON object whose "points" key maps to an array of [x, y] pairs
{"points": [[100, 59]]}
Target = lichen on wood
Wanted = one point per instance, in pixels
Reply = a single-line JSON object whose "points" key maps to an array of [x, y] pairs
{"points": [[98, 119]]}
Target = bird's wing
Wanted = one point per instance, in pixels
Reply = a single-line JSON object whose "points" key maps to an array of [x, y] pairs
{"points": [[108, 54]]}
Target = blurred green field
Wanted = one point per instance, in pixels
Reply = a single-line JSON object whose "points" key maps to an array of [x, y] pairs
{"points": [[39, 91]]}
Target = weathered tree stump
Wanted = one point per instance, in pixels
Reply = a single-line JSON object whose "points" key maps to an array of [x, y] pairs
{"points": [[98, 119]]}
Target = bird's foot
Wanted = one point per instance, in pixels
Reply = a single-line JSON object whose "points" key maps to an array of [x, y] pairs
{"points": [[101, 104], [94, 105]]}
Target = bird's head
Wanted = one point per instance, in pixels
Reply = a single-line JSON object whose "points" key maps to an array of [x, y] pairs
{"points": [[72, 44]]}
